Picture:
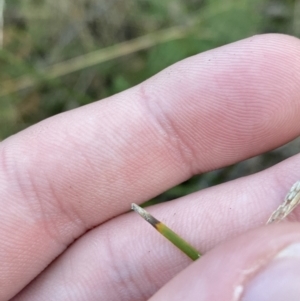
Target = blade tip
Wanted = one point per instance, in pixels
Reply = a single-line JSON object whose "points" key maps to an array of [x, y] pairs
{"points": [[138, 209]]}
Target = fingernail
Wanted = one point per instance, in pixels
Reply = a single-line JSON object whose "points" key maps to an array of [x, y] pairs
{"points": [[279, 280]]}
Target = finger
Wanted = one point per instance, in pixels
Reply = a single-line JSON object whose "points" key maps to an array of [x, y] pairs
{"points": [[78, 169], [126, 259], [261, 265]]}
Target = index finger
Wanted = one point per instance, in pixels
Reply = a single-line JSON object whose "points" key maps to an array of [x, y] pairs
{"points": [[76, 170]]}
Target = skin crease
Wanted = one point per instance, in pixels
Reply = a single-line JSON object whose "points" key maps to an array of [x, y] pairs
{"points": [[80, 169]]}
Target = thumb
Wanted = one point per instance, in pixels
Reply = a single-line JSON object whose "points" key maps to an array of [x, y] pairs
{"points": [[260, 265]]}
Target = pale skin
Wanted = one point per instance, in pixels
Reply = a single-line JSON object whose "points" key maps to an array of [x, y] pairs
{"points": [[78, 170]]}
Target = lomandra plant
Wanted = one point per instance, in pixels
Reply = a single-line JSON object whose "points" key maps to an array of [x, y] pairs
{"points": [[290, 202], [169, 234]]}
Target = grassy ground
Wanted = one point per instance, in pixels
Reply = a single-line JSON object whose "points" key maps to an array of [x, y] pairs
{"points": [[59, 55]]}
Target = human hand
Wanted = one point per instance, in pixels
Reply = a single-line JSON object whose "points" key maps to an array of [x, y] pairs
{"points": [[82, 169]]}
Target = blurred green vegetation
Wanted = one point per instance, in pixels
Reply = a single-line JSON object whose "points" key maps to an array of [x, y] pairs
{"points": [[59, 55]]}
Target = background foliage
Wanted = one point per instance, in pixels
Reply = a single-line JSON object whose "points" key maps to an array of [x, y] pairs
{"points": [[59, 55]]}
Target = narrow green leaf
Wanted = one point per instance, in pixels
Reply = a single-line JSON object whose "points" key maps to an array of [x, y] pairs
{"points": [[175, 239]]}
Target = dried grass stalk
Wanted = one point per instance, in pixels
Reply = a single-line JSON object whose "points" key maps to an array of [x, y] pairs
{"points": [[291, 201], [2, 2]]}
